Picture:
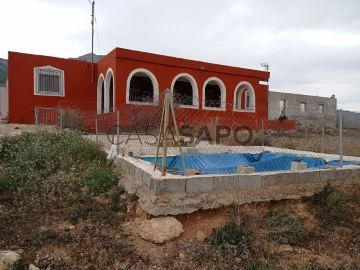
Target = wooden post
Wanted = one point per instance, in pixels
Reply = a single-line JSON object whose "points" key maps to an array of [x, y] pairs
{"points": [[166, 125], [159, 139], [177, 133]]}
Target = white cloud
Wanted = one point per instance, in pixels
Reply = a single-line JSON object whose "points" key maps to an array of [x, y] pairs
{"points": [[331, 38]]}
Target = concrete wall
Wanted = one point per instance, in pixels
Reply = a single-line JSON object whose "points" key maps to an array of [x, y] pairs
{"points": [[311, 115], [4, 102]]}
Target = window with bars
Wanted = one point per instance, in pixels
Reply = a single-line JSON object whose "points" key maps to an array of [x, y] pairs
{"points": [[49, 81]]}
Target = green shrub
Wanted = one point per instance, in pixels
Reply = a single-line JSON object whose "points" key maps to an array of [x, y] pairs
{"points": [[230, 236], [100, 179], [285, 228], [31, 156], [115, 200], [332, 203]]}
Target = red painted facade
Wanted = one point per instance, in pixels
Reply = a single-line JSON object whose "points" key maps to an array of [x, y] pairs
{"points": [[80, 92]]}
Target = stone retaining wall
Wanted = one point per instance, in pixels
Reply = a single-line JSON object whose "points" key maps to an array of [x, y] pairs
{"points": [[176, 194]]}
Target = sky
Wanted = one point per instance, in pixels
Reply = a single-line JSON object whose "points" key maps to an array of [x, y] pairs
{"points": [[312, 46]]}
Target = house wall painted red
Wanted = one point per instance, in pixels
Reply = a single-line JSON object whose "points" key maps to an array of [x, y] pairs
{"points": [[166, 68], [79, 91]]}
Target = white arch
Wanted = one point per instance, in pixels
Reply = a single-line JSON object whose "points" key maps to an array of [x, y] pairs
{"points": [[100, 83], [195, 89], [223, 94], [154, 82], [239, 90], [109, 73]]}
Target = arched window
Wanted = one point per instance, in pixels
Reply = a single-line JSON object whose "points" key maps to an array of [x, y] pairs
{"points": [[244, 97], [214, 94], [142, 87], [101, 94], [109, 91], [185, 91]]}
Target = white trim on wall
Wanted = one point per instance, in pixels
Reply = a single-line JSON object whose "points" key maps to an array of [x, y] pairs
{"points": [[155, 87], [239, 90], [101, 81], [195, 90], [107, 90], [223, 94]]}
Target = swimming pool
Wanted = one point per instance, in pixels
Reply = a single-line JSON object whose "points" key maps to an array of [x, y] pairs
{"points": [[229, 162]]}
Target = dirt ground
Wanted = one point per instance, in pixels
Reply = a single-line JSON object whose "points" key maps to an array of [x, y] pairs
{"points": [[329, 143], [16, 129], [335, 248]]}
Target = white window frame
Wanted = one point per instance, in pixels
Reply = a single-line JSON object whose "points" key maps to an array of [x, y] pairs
{"points": [[284, 108], [321, 108], [195, 94], [222, 93], [37, 72], [101, 82], [302, 110], [155, 87], [239, 90], [107, 105]]}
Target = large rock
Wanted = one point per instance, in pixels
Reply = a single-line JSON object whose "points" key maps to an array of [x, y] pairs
{"points": [[160, 230], [33, 267], [8, 258]]}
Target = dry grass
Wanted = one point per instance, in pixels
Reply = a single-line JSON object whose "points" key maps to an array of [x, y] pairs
{"points": [[315, 142]]}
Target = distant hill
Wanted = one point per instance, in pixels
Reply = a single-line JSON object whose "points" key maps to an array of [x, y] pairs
{"points": [[87, 57], [3, 70], [351, 119]]}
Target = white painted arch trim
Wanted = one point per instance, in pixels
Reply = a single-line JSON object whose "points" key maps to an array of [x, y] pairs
{"points": [[239, 89], [223, 94], [101, 81], [194, 88], [155, 86], [109, 73]]}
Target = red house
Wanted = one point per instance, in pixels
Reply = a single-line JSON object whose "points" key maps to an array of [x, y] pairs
{"points": [[125, 79]]}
